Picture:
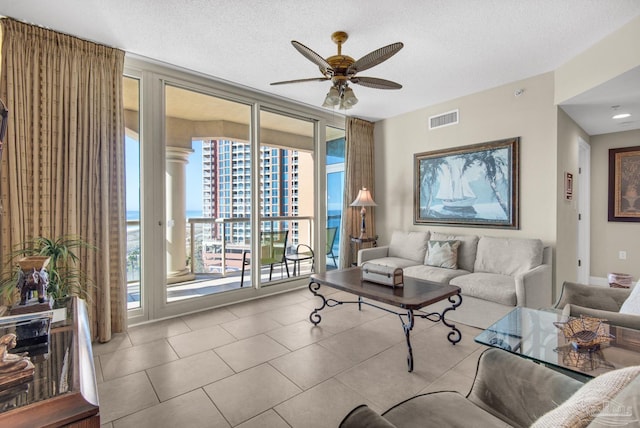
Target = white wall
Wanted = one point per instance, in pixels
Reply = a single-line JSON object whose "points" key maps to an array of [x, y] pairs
{"points": [[615, 54], [567, 214], [608, 238], [486, 116]]}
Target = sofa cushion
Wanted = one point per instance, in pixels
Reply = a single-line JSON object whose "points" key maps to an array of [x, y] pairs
{"points": [[442, 254], [394, 262], [409, 245], [466, 250], [507, 256], [488, 286], [631, 305], [432, 273], [581, 408]]}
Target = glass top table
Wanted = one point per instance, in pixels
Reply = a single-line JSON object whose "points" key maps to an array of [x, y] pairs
{"points": [[532, 334]]}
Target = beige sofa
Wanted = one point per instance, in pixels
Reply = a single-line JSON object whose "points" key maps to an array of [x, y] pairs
{"points": [[494, 274]]}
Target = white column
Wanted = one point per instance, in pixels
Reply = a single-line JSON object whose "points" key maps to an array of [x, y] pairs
{"points": [[176, 178]]}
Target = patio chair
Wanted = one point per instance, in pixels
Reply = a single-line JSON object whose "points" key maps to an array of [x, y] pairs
{"points": [[273, 248], [303, 252], [331, 238]]}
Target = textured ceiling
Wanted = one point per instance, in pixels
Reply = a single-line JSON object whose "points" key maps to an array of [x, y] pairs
{"points": [[452, 48]]}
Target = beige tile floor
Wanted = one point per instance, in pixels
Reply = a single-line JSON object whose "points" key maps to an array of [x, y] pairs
{"points": [[263, 364]]}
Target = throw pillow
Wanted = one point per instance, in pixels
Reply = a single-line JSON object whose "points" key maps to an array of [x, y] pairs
{"points": [[408, 245], [443, 254], [583, 406], [632, 304]]}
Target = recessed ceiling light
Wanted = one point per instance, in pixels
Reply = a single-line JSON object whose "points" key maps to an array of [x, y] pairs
{"points": [[621, 116]]}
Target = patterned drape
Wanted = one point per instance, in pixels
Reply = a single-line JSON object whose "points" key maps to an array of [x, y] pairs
{"points": [[359, 173], [62, 169]]}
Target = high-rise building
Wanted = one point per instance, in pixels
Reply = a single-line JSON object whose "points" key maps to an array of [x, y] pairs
{"points": [[226, 170]]}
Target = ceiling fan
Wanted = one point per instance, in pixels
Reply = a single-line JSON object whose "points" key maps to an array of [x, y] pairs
{"points": [[342, 70]]}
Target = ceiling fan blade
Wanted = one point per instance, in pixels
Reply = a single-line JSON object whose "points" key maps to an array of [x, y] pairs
{"points": [[374, 82], [313, 57], [312, 79], [374, 58]]}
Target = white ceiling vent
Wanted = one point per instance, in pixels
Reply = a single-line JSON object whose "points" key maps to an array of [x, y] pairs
{"points": [[444, 119]]}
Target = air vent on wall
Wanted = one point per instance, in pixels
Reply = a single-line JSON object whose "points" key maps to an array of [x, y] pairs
{"points": [[444, 119]]}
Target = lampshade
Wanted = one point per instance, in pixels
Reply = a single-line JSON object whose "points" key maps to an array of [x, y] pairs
{"points": [[348, 99], [333, 98], [341, 95], [364, 199]]}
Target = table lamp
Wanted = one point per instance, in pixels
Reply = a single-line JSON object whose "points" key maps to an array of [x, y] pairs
{"points": [[364, 200]]}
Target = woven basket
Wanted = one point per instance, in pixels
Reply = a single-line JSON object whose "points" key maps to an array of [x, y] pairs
{"points": [[585, 332]]}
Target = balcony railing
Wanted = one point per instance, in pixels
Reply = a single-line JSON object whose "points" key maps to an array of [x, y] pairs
{"points": [[222, 249], [218, 243]]}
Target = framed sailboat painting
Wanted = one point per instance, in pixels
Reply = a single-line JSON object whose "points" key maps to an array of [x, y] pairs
{"points": [[475, 186]]}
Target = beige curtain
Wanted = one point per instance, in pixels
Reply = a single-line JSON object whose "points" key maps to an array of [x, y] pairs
{"points": [[63, 160], [359, 172]]}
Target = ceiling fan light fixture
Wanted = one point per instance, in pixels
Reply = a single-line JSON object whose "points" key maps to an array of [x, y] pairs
{"points": [[348, 99], [333, 98]]}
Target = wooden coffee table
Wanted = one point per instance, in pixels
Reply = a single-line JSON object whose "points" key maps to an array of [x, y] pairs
{"points": [[414, 295]]}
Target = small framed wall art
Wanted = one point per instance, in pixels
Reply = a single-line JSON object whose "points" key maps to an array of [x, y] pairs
{"points": [[568, 186], [624, 184]]}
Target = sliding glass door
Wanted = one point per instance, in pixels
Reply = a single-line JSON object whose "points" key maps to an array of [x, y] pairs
{"points": [[286, 197], [214, 175], [207, 193]]}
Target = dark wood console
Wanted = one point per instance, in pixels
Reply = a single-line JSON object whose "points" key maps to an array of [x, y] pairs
{"points": [[63, 391]]}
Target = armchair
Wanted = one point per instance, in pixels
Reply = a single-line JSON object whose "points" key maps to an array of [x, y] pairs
{"points": [[507, 391], [595, 301]]}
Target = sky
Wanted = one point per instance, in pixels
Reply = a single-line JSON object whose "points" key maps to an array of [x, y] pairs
{"points": [[193, 176]]}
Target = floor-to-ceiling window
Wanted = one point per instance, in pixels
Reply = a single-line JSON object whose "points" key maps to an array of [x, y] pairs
{"points": [[131, 97], [218, 166], [335, 192]]}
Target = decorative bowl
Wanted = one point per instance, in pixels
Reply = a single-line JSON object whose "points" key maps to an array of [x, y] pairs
{"points": [[585, 332]]}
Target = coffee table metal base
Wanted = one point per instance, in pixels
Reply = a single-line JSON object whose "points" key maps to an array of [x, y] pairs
{"points": [[406, 318]]}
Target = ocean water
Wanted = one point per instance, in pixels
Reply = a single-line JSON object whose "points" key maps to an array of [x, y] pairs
{"points": [[135, 215]]}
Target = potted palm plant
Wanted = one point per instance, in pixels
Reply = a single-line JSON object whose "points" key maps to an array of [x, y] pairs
{"points": [[65, 276]]}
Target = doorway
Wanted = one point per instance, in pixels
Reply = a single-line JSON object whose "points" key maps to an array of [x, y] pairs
{"points": [[584, 210]]}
